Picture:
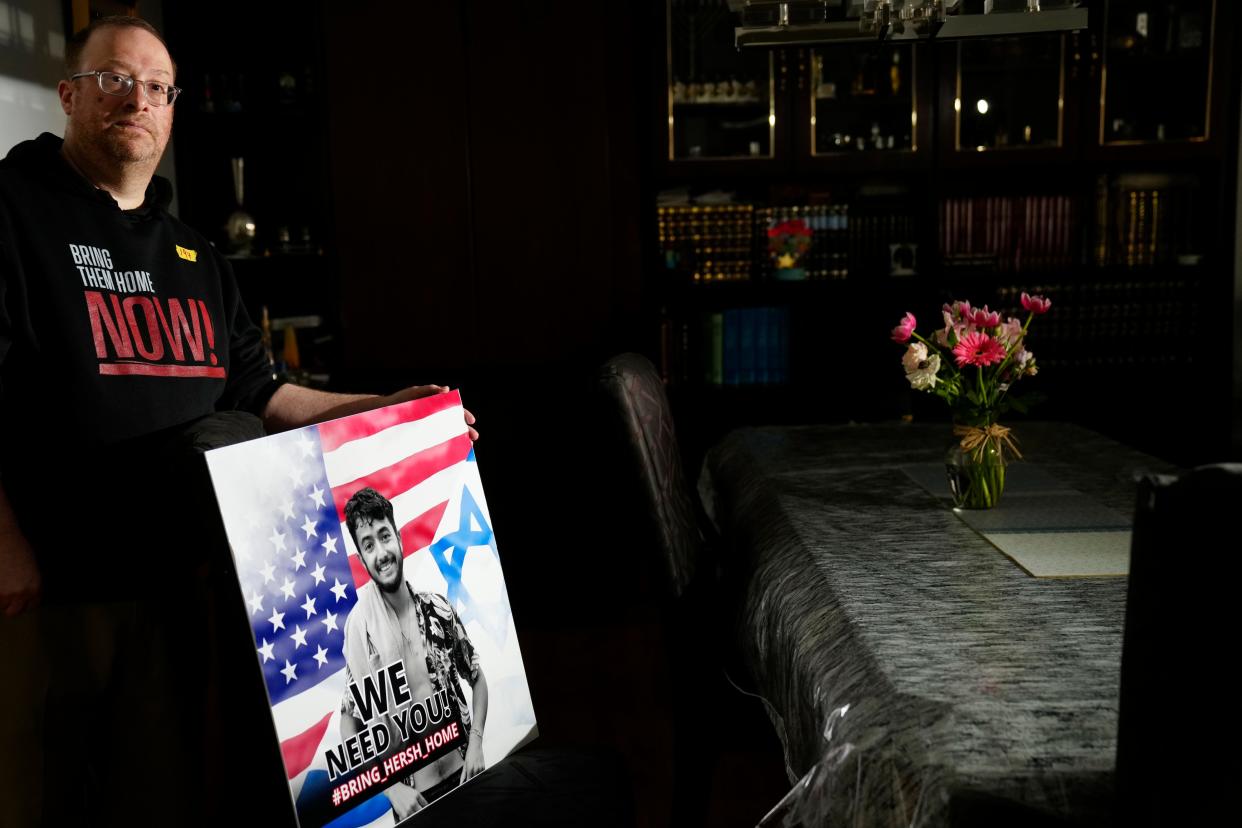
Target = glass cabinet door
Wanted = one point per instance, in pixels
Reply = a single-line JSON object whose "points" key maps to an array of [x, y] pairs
{"points": [[1155, 84], [1010, 93], [721, 101], [863, 99]]}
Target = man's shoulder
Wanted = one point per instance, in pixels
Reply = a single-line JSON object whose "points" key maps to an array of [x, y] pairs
{"points": [[27, 159], [16, 178], [32, 152], [357, 614]]}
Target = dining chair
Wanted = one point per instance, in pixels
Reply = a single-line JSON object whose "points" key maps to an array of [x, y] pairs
{"points": [[1179, 739], [699, 637], [643, 421]]}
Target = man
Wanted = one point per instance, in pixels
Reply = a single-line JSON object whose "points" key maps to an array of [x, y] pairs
{"points": [[124, 350], [391, 622]]}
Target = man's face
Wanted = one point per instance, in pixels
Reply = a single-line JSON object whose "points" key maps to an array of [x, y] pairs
{"points": [[126, 129], [379, 544]]}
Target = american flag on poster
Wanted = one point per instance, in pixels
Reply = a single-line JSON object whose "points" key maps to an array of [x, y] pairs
{"points": [[282, 499]]}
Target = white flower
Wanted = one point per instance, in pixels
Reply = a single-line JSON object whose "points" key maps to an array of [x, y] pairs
{"points": [[923, 376], [915, 354], [1026, 363]]}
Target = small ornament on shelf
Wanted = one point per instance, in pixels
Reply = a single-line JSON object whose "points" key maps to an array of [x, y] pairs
{"points": [[240, 226]]}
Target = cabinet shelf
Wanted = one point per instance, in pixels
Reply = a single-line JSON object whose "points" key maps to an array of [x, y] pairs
{"points": [[756, 104], [863, 101]]}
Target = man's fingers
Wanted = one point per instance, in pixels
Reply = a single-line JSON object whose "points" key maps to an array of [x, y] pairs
{"points": [[416, 392]]}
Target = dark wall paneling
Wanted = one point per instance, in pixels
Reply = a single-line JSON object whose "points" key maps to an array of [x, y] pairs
{"points": [[552, 195], [400, 178]]}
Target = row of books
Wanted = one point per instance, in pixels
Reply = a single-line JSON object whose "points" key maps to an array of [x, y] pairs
{"points": [[707, 243], [1142, 226], [730, 242], [1009, 233], [740, 346], [844, 240], [1150, 322]]}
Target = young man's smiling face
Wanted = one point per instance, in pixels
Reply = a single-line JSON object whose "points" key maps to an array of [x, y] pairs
{"points": [[379, 545]]}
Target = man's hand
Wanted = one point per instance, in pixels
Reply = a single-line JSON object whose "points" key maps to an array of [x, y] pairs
{"points": [[20, 582], [417, 392], [405, 800], [473, 764]]}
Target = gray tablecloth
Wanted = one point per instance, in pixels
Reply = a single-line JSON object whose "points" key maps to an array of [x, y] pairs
{"points": [[907, 664]]}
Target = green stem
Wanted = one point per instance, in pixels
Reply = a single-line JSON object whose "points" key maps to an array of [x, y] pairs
{"points": [[983, 478], [927, 342], [1009, 355]]}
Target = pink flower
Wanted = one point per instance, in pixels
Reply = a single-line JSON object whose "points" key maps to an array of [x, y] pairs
{"points": [[953, 329], [957, 313], [905, 329], [984, 318], [1036, 304], [978, 349], [1010, 334]]}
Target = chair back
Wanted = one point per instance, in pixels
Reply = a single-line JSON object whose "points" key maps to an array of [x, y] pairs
{"points": [[1179, 739], [636, 395]]}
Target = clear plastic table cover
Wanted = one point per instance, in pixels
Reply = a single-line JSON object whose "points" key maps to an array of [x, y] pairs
{"points": [[911, 670]]}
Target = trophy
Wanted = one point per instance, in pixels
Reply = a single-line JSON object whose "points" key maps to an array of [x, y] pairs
{"points": [[240, 226]]}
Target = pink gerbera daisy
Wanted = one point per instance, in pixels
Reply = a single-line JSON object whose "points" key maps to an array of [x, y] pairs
{"points": [[978, 349]]}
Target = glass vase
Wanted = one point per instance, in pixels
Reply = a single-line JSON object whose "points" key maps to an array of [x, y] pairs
{"points": [[977, 477]]}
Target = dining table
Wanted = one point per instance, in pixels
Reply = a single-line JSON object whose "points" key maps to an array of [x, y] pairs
{"points": [[916, 674]]}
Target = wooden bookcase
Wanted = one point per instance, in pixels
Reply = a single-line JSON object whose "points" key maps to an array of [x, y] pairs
{"points": [[1096, 167]]}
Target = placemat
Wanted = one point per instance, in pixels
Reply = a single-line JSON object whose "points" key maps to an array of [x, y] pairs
{"points": [[1047, 528]]}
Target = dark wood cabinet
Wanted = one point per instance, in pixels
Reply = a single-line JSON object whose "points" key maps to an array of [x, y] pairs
{"points": [[1098, 167]]}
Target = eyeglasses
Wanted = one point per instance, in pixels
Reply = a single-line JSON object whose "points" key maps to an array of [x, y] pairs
{"points": [[114, 83]]}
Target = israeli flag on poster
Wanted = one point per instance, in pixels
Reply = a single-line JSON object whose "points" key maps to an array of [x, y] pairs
{"points": [[365, 554]]}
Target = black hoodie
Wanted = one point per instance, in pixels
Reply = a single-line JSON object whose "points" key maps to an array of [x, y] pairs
{"points": [[113, 324]]}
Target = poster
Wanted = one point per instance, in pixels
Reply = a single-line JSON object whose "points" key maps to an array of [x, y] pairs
{"points": [[365, 554]]}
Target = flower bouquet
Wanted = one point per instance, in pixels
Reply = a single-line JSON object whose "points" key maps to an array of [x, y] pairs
{"points": [[973, 364], [788, 242]]}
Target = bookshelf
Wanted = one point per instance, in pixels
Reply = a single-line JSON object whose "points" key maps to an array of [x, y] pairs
{"points": [[1097, 167]]}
